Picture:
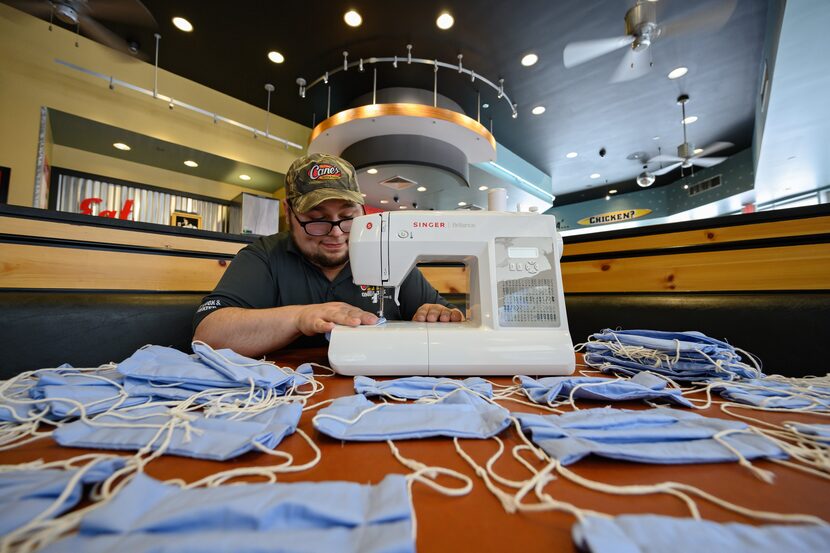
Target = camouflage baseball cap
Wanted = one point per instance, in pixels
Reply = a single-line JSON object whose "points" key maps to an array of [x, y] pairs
{"points": [[315, 178]]}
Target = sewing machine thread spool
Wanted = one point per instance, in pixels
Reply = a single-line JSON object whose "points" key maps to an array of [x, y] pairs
{"points": [[497, 199]]}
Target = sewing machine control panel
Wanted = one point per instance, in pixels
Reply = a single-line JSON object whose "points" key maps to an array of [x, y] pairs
{"points": [[526, 282]]}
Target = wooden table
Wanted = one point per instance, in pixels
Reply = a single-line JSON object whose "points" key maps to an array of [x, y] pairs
{"points": [[477, 522]]}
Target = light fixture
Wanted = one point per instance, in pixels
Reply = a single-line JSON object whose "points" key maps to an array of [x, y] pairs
{"points": [[529, 59], [690, 119], [182, 24], [352, 18], [244, 177], [538, 110], [677, 73], [612, 191], [607, 197], [402, 207], [482, 188], [645, 179], [698, 151], [362, 194], [571, 155], [275, 56], [462, 204], [655, 138], [444, 21], [685, 187], [191, 163], [384, 201], [372, 171], [485, 106], [421, 189], [122, 146], [595, 175]]}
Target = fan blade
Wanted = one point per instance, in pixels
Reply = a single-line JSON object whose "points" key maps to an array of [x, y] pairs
{"points": [[586, 50], [634, 65], [37, 8], [714, 147], [668, 169], [664, 159], [99, 33], [713, 16], [132, 12], [707, 161]]}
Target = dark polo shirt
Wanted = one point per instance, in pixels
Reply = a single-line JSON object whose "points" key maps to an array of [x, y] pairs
{"points": [[271, 272]]}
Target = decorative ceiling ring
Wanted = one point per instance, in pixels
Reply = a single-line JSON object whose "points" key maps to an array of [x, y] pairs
{"points": [[394, 60]]}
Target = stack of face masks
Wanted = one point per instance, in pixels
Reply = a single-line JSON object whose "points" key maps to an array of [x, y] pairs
{"points": [[647, 533], [682, 356], [775, 394], [644, 385], [193, 435], [660, 435], [416, 387], [459, 414], [25, 494], [148, 515]]}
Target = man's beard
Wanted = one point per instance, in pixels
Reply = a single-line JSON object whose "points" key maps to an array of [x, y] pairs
{"points": [[322, 259]]}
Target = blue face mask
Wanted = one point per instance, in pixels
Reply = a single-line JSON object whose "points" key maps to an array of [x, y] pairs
{"points": [[774, 394], [819, 432], [207, 368], [665, 436], [24, 494], [416, 387], [644, 533], [643, 385], [682, 356], [216, 438], [458, 414], [147, 515]]}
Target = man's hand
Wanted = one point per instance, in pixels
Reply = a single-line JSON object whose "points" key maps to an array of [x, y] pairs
{"points": [[321, 318], [434, 312]]}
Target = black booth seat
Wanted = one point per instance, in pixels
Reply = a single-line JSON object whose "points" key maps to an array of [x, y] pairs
{"points": [[787, 330]]}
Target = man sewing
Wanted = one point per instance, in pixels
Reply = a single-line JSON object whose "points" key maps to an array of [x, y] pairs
{"points": [[295, 286]]}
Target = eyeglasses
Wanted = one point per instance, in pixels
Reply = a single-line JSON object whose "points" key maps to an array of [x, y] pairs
{"points": [[322, 228]]}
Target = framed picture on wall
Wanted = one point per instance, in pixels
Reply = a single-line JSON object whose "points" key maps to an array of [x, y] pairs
{"points": [[186, 220]]}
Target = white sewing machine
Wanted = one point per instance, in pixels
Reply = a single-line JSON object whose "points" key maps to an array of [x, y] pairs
{"points": [[516, 322]]}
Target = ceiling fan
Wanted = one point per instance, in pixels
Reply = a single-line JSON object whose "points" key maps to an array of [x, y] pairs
{"points": [[687, 156], [642, 30], [85, 17]]}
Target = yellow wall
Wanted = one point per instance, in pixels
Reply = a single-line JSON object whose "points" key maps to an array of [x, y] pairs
{"points": [[30, 79]]}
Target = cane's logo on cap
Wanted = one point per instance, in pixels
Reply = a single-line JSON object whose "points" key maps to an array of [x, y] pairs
{"points": [[324, 171]]}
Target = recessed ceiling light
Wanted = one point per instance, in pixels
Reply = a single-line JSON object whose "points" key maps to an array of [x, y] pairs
{"points": [[690, 119], [679, 72], [698, 150], [352, 18], [482, 187], [182, 24], [462, 204], [571, 155], [402, 207], [422, 189], [485, 106], [538, 110], [612, 191], [655, 138], [362, 194], [122, 146], [685, 187], [191, 163], [444, 21], [595, 175], [607, 197], [275, 56], [372, 171], [529, 59], [244, 177]]}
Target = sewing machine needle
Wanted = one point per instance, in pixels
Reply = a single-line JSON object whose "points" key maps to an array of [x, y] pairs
{"points": [[380, 311]]}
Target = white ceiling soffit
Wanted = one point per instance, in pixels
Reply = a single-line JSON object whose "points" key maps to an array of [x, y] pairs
{"points": [[794, 156]]}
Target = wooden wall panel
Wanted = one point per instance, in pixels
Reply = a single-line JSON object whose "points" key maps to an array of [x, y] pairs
{"points": [[18, 226], [719, 235], [26, 266], [776, 268]]}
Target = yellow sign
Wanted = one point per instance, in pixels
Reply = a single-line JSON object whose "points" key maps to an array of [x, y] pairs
{"points": [[614, 217]]}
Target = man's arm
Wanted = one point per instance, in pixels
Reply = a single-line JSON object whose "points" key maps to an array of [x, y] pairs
{"points": [[255, 332]]}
